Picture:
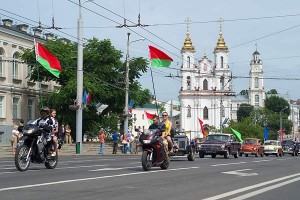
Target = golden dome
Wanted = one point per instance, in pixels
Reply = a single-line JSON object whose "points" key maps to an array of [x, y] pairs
{"points": [[188, 45], [221, 44]]}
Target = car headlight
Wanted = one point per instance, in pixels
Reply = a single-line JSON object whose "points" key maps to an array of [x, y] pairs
{"points": [[223, 146], [199, 145], [275, 148]]}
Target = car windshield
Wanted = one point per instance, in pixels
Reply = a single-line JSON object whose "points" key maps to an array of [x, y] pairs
{"points": [[249, 141], [270, 143], [220, 138], [287, 142]]}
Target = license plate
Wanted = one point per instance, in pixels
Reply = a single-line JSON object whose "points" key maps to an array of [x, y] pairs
{"points": [[146, 141]]}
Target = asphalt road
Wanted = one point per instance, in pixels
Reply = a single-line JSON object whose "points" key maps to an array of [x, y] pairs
{"points": [[122, 177]]}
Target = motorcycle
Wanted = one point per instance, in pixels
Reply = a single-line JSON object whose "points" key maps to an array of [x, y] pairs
{"points": [[155, 150], [36, 147]]}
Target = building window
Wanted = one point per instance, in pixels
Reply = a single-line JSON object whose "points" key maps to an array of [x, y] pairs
{"points": [[15, 69], [16, 107], [134, 116], [2, 107], [205, 113], [238, 106], [256, 100], [205, 85], [222, 62], [1, 61], [256, 82], [188, 62], [222, 82], [30, 109], [231, 107], [143, 116], [189, 111], [188, 82], [28, 72]]}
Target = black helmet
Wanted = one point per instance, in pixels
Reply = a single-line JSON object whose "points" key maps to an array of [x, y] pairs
{"points": [[45, 109], [45, 112]]}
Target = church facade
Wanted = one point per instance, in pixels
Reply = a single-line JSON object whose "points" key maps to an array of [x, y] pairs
{"points": [[206, 92]]}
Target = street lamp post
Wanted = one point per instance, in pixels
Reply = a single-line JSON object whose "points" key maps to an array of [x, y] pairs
{"points": [[127, 83], [79, 80], [281, 136]]}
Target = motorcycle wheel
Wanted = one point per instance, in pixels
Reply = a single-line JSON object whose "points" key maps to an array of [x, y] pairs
{"points": [[165, 164], [146, 162], [22, 164], [191, 156], [52, 163]]}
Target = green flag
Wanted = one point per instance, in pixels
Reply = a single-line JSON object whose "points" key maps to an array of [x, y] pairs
{"points": [[238, 135]]}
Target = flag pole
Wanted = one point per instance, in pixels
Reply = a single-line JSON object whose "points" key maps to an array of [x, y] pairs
{"points": [[38, 71], [154, 91]]}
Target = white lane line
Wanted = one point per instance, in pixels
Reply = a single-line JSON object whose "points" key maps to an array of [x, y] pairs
{"points": [[257, 161], [227, 194], [113, 169], [84, 166], [284, 158], [241, 172], [77, 161], [272, 187], [238, 163], [133, 163], [92, 178], [8, 172]]}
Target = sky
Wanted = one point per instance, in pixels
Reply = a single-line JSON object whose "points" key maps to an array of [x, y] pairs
{"points": [[273, 26]]}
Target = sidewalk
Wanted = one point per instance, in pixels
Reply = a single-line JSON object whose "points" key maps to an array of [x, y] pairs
{"points": [[70, 150]]}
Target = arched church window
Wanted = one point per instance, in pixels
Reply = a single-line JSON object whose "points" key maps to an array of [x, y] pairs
{"points": [[222, 82], [205, 113], [189, 111], [222, 62], [188, 62], [256, 84], [205, 85], [256, 100], [15, 69], [188, 82]]}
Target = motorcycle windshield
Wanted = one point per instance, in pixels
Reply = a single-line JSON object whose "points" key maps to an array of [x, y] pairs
{"points": [[30, 128], [150, 131]]}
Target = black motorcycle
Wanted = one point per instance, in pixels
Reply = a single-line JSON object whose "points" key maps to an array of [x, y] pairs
{"points": [[155, 152], [36, 148]]}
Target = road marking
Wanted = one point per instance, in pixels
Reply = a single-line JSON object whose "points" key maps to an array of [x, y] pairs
{"points": [[284, 158], [84, 166], [76, 161], [227, 194], [92, 178], [272, 187], [257, 161], [238, 163], [8, 172], [113, 169], [241, 172], [135, 163]]}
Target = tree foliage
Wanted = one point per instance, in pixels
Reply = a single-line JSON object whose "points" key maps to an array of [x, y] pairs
{"points": [[104, 77], [277, 104], [244, 111]]}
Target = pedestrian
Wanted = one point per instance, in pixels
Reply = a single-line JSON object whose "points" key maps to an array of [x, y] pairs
{"points": [[124, 143], [134, 145], [14, 139], [68, 134], [115, 137], [102, 137], [62, 132]]}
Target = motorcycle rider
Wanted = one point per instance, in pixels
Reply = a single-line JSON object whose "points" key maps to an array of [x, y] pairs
{"points": [[168, 124], [159, 125], [45, 121]]}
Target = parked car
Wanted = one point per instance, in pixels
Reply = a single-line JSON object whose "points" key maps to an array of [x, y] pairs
{"points": [[273, 147], [219, 144], [252, 146], [290, 147]]}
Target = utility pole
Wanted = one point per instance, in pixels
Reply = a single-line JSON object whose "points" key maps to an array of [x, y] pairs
{"points": [[126, 88]]}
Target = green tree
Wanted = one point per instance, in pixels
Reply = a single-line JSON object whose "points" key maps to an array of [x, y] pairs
{"points": [[244, 92], [272, 91], [277, 104], [103, 77], [244, 111]]}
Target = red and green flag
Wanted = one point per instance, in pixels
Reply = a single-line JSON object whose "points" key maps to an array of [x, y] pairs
{"points": [[159, 58], [149, 117], [47, 59]]}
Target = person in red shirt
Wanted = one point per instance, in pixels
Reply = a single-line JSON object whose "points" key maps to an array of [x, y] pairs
{"points": [[102, 137]]}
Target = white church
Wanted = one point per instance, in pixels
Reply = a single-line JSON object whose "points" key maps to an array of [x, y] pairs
{"points": [[207, 90]]}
